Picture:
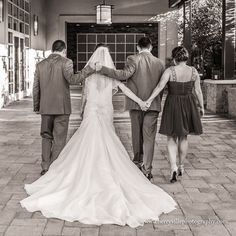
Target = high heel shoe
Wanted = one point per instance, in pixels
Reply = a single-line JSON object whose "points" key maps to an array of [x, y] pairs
{"points": [[173, 176], [180, 170]]}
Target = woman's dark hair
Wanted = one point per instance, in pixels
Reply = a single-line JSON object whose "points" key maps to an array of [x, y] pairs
{"points": [[58, 46], [144, 42], [180, 54], [100, 45]]}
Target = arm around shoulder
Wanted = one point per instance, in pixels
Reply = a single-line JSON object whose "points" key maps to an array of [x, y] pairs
{"points": [[72, 78], [124, 74]]}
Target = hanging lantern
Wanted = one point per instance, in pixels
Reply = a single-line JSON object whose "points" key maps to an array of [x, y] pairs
{"points": [[104, 13]]}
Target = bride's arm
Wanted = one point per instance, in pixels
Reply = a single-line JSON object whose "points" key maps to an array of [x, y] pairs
{"points": [[83, 101], [130, 94]]}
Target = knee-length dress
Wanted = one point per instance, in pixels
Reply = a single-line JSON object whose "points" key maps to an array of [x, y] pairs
{"points": [[180, 114]]}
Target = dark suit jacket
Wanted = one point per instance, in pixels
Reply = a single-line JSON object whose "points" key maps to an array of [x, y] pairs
{"points": [[142, 72], [51, 90]]}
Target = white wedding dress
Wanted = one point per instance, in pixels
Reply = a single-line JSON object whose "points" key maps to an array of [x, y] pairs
{"points": [[93, 181]]}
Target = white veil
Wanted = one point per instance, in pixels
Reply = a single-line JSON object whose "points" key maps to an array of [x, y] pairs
{"points": [[102, 55]]}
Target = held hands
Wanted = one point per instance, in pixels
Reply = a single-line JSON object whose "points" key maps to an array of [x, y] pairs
{"points": [[144, 105]]}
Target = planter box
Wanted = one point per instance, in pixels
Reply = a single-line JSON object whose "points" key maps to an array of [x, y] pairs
{"points": [[217, 94], [232, 102]]}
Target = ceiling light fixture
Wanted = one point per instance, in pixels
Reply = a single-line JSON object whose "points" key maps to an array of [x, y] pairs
{"points": [[104, 13]]}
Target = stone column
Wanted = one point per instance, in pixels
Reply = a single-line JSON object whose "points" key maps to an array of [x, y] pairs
{"points": [[229, 38]]}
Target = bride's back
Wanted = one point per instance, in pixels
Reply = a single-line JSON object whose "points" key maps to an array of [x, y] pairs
{"points": [[99, 88]]}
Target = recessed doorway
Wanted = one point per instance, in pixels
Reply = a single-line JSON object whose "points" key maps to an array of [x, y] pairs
{"points": [[121, 38]]}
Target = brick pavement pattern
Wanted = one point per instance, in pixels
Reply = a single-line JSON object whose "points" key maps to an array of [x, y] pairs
{"points": [[206, 194]]}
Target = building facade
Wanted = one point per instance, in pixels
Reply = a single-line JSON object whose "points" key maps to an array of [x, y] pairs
{"points": [[29, 27]]}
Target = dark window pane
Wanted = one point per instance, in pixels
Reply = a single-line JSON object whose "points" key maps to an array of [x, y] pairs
{"points": [[129, 38], [120, 57], [110, 38], [81, 47], [101, 38], [130, 47], [27, 6], [81, 66], [112, 47], [82, 57], [27, 42], [89, 55], [120, 38], [27, 29], [15, 25], [10, 37], [113, 56], [91, 47], [120, 47], [120, 65], [22, 27], [9, 8], [92, 38], [10, 23], [81, 38]]}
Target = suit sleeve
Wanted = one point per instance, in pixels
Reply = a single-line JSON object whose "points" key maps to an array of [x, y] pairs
{"points": [[124, 74], [36, 90], [72, 78]]}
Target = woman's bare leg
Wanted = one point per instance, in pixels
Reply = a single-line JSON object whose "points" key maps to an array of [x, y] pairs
{"points": [[182, 150], [172, 147]]}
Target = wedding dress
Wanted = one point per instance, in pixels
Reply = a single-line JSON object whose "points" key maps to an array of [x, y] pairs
{"points": [[93, 181]]}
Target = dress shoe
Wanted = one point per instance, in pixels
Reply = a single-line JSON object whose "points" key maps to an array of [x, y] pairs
{"points": [[149, 176], [43, 172]]}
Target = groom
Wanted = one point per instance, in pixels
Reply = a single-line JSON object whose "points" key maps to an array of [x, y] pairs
{"points": [[51, 99], [142, 72]]}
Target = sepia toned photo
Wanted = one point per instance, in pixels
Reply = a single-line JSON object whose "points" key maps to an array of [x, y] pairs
{"points": [[117, 118]]}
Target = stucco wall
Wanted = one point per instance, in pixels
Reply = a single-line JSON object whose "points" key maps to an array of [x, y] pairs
{"points": [[38, 8], [58, 12]]}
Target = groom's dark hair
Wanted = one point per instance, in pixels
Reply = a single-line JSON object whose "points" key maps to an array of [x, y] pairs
{"points": [[58, 46], [144, 42]]}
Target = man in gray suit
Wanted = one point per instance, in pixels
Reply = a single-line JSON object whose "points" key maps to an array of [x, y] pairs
{"points": [[51, 99], [142, 72]]}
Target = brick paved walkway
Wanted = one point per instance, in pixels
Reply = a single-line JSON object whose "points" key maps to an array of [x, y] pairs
{"points": [[206, 195]]}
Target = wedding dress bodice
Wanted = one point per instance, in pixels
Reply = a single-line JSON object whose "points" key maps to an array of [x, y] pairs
{"points": [[98, 91]]}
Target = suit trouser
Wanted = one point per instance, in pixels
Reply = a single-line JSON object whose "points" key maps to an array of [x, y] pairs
{"points": [[144, 128], [54, 130]]}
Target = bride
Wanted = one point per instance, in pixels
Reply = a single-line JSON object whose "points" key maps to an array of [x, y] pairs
{"points": [[93, 181]]}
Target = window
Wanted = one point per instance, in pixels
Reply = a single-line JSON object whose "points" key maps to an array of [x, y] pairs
{"points": [[120, 45]]}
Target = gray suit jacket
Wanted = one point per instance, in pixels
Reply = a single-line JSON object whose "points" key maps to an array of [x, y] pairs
{"points": [[142, 72], [51, 90]]}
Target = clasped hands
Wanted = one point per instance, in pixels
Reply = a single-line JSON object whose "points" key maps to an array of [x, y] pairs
{"points": [[144, 105]]}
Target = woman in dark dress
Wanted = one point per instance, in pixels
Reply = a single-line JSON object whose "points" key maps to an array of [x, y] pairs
{"points": [[181, 116]]}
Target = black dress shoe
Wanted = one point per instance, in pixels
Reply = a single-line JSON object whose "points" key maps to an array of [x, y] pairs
{"points": [[43, 172], [149, 176]]}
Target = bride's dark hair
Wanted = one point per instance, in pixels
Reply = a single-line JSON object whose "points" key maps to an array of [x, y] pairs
{"points": [[100, 45]]}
